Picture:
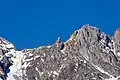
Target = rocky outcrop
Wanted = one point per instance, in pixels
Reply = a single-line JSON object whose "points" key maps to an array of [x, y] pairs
{"points": [[6, 52], [117, 43], [89, 54]]}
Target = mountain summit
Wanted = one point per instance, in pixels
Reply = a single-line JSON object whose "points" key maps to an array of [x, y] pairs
{"points": [[88, 54]]}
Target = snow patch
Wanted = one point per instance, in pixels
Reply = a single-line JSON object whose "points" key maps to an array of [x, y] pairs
{"points": [[55, 73], [44, 54], [118, 54], [15, 68], [48, 46], [42, 59], [30, 54], [65, 59], [103, 40], [113, 78], [85, 61], [25, 65], [36, 56], [101, 70], [63, 51]]}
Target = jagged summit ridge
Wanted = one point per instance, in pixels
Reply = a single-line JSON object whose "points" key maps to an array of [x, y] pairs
{"points": [[89, 54]]}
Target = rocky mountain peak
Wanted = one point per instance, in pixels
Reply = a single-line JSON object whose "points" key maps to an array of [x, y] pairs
{"points": [[6, 45], [89, 54]]}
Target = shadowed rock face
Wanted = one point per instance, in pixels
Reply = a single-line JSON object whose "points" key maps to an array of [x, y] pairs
{"points": [[89, 54]]}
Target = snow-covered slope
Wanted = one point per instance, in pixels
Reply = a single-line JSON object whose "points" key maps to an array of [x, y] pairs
{"points": [[15, 69]]}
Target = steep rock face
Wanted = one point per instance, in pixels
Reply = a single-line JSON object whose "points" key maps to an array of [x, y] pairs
{"points": [[89, 54], [6, 52], [117, 42]]}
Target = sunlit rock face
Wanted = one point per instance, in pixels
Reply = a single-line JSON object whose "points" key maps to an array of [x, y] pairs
{"points": [[88, 54], [117, 42]]}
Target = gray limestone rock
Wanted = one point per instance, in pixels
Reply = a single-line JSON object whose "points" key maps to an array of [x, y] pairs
{"points": [[89, 54]]}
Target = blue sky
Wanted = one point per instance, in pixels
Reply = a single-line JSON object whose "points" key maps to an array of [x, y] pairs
{"points": [[32, 23]]}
